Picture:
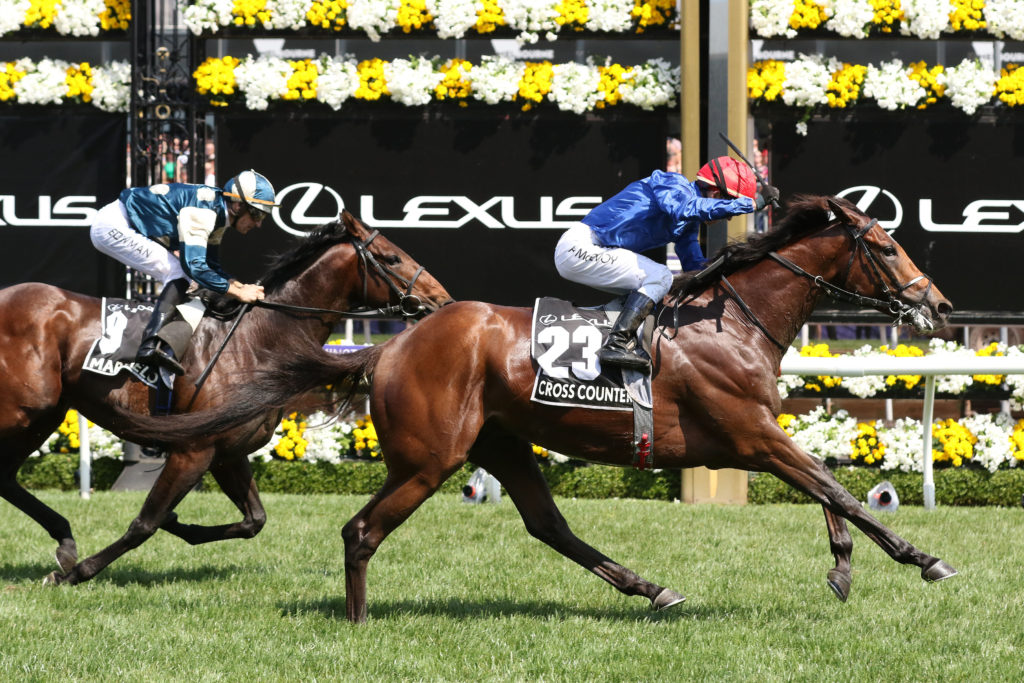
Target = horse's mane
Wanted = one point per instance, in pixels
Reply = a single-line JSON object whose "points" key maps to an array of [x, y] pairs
{"points": [[804, 215], [286, 265]]}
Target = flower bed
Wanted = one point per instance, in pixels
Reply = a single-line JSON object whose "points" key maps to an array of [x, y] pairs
{"points": [[529, 20], [54, 81], [78, 18], [925, 19], [258, 81], [815, 84]]}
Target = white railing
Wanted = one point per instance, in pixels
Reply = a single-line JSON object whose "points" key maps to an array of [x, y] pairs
{"points": [[927, 366]]}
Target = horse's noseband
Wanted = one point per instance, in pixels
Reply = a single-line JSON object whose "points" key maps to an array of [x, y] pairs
{"points": [[409, 305]]}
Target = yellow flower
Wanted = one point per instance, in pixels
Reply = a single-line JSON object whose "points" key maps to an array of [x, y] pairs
{"points": [[866, 445], [652, 12], [956, 441], [1009, 87], [928, 78], [456, 84], [967, 15], [536, 82], [248, 12], [302, 81], [612, 76], [489, 16], [413, 15], [1017, 440], [572, 13], [216, 77], [327, 14], [807, 14], [371, 80], [116, 16], [765, 79], [786, 421], [844, 88], [887, 13], [41, 13]]}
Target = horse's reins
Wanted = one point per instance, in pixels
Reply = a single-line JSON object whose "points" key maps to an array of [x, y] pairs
{"points": [[897, 308], [409, 305]]}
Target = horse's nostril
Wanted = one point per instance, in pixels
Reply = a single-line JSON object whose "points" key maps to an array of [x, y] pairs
{"points": [[944, 308]]}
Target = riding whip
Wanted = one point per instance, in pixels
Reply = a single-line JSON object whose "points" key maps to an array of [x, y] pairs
{"points": [[757, 174]]}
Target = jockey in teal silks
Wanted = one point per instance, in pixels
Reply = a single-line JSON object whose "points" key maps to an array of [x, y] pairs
{"points": [[602, 251], [145, 226]]}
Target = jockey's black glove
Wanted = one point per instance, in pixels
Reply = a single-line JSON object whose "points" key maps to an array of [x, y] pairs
{"points": [[768, 194]]}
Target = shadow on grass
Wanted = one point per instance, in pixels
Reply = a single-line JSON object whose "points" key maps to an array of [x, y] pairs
{"points": [[32, 571], [458, 608]]}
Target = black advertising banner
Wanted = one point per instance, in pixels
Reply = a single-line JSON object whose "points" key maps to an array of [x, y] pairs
{"points": [[950, 192], [479, 197], [58, 169]]}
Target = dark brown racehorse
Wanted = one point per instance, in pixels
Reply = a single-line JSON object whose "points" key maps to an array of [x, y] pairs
{"points": [[48, 331], [457, 387]]}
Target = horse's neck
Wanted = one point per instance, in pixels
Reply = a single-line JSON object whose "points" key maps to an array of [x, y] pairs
{"points": [[780, 299]]}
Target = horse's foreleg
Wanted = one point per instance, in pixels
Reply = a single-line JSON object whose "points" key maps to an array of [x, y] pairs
{"points": [[14, 493], [234, 475], [839, 578], [182, 471], [811, 476], [511, 460]]}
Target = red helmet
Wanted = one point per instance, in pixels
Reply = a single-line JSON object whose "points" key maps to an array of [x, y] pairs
{"points": [[729, 175]]}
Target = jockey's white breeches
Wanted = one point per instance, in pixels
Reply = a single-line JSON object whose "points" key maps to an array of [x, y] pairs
{"points": [[609, 269], [111, 234]]}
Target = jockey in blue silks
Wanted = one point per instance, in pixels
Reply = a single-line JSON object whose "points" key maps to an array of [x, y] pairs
{"points": [[602, 250], [172, 232]]}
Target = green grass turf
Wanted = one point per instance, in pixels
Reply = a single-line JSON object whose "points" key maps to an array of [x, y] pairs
{"points": [[461, 592]]}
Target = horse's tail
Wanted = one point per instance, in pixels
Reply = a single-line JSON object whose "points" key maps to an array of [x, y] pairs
{"points": [[288, 376]]}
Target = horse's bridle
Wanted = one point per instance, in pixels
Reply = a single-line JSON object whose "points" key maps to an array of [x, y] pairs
{"points": [[897, 308], [409, 305]]}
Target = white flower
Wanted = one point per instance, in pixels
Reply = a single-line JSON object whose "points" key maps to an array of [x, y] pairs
{"points": [[206, 15], [12, 14], [851, 18], [496, 79], [79, 17], [891, 87], [970, 85], [610, 15], [111, 86], [338, 80], [806, 81], [993, 433], [412, 81], [651, 85], [925, 18], [262, 79], [770, 18], [904, 446], [44, 83], [1005, 18], [286, 13], [453, 18], [574, 87], [530, 18], [373, 16]]}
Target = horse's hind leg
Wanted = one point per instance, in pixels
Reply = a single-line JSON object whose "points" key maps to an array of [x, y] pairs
{"points": [[511, 460], [839, 578], [180, 474], [15, 452], [404, 490]]}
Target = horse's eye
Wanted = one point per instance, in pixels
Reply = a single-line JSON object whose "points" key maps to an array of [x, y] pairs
{"points": [[392, 259], [889, 250]]}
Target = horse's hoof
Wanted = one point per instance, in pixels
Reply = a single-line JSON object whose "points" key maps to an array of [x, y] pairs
{"points": [[665, 599], [66, 556], [53, 579], [938, 571], [839, 582]]}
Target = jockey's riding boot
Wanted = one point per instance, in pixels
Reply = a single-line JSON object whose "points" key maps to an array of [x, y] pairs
{"points": [[154, 351], [620, 348]]}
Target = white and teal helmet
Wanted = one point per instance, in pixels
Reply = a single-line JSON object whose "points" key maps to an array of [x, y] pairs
{"points": [[253, 189]]}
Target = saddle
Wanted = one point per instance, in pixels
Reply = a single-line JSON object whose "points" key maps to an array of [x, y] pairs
{"points": [[564, 343]]}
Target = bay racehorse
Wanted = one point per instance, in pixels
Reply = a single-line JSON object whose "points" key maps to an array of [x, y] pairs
{"points": [[457, 386], [48, 331]]}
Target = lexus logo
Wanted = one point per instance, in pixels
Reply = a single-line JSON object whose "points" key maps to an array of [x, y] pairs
{"points": [[305, 206], [878, 203]]}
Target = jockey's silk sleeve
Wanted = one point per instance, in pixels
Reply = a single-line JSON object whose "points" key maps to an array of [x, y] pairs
{"points": [[195, 226]]}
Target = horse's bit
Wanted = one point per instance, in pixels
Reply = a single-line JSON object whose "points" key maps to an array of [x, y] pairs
{"points": [[409, 305], [898, 309]]}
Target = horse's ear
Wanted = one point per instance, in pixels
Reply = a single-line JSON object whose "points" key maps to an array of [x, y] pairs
{"points": [[353, 225], [840, 212]]}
